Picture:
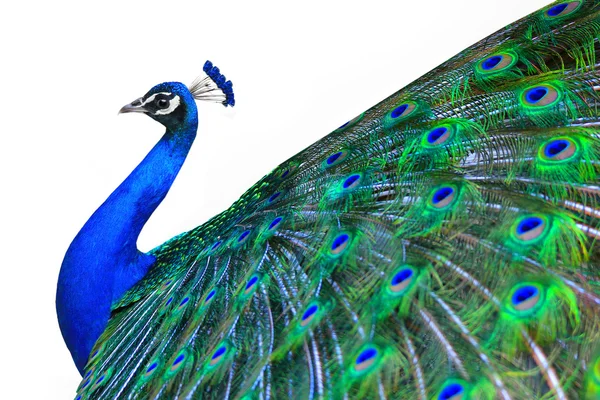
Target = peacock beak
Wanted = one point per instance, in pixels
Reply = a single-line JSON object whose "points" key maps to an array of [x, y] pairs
{"points": [[134, 106]]}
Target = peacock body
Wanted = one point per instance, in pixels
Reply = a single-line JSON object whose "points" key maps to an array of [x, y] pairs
{"points": [[439, 245]]}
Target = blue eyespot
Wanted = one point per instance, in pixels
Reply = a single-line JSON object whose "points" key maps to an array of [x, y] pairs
{"points": [[285, 173], [216, 245], [152, 367], [436, 134], [184, 301], [340, 242], [243, 236], [103, 378], [541, 96], [555, 147], [398, 111], [523, 294], [556, 10], [350, 123], [366, 354], [536, 94], [169, 301], [365, 359], [529, 224], [179, 359], [220, 351], [562, 9], [275, 222], [442, 194], [450, 391], [335, 158], [251, 282], [218, 355], [274, 196], [211, 294], [402, 276], [310, 312], [351, 181], [491, 62], [332, 158], [401, 280]]}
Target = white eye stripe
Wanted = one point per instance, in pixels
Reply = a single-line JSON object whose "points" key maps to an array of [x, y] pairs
{"points": [[151, 98], [174, 103]]}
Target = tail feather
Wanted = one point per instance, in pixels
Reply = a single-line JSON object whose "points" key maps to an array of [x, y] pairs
{"points": [[441, 244]]}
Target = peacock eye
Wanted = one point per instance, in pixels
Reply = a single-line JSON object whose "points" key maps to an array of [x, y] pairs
{"points": [[162, 103]]}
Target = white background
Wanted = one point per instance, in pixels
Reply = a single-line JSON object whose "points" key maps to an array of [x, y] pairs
{"points": [[66, 68]]}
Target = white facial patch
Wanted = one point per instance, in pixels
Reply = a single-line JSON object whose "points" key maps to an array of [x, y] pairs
{"points": [[151, 98], [173, 104]]}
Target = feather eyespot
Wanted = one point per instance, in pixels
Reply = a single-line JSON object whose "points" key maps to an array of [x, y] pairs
{"points": [[309, 314], [102, 379], [525, 297], [351, 182], [350, 123], [218, 355], [365, 359], [562, 10], [86, 383], [179, 361], [251, 285], [442, 197], [335, 158], [559, 149], [95, 354], [530, 228], [88, 373], [243, 237], [274, 197], [340, 243], [216, 245], [452, 391], [273, 225], [210, 295], [401, 280], [496, 63], [438, 136], [151, 367], [400, 113], [540, 96], [332, 158], [183, 302]]}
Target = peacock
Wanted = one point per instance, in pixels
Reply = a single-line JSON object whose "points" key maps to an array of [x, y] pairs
{"points": [[440, 245]]}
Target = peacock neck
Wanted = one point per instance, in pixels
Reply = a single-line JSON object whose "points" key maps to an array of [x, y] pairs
{"points": [[103, 261]]}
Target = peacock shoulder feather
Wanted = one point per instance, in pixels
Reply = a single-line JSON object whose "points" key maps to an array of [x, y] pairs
{"points": [[442, 244]]}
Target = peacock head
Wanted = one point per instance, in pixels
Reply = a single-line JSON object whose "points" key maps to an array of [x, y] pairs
{"points": [[173, 104]]}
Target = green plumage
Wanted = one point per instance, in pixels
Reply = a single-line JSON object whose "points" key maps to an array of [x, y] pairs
{"points": [[442, 243]]}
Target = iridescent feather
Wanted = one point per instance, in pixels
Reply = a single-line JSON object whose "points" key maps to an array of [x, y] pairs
{"points": [[440, 245]]}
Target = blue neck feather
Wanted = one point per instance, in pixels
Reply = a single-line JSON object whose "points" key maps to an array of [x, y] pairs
{"points": [[103, 261]]}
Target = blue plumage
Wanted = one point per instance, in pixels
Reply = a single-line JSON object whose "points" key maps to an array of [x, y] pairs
{"points": [[103, 261]]}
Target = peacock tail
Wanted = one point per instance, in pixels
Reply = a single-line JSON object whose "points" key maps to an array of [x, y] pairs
{"points": [[442, 244]]}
